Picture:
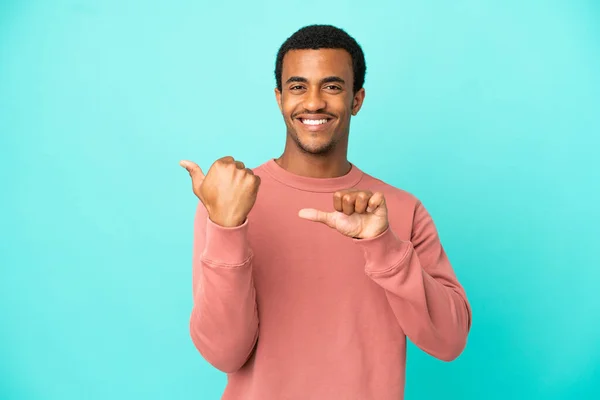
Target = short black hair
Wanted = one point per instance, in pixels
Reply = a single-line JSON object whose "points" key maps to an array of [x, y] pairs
{"points": [[317, 37]]}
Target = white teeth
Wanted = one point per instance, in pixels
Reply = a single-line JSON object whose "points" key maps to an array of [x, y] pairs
{"points": [[314, 121]]}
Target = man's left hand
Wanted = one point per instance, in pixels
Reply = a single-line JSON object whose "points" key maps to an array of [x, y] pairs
{"points": [[359, 214]]}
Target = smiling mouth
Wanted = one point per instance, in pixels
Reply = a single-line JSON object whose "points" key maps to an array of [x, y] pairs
{"points": [[314, 122]]}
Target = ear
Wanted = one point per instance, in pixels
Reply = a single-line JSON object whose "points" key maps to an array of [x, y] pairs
{"points": [[357, 102], [278, 98]]}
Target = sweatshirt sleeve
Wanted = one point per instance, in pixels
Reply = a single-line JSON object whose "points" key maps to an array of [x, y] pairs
{"points": [[428, 301], [224, 318]]}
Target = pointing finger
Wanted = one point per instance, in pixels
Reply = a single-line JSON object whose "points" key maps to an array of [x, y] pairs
{"points": [[194, 170], [318, 216]]}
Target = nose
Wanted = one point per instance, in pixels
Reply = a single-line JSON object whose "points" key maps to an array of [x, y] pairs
{"points": [[314, 101]]}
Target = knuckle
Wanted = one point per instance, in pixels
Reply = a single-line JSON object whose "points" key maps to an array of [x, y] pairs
{"points": [[225, 160]]}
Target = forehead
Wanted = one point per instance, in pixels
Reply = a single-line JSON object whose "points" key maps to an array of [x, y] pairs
{"points": [[317, 63]]}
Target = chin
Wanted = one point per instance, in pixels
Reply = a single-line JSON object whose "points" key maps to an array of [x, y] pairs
{"points": [[318, 151], [314, 147]]}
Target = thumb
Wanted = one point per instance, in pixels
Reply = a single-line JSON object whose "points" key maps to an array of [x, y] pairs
{"points": [[194, 170], [318, 216]]}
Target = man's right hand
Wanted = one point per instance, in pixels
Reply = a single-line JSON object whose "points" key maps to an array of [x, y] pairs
{"points": [[228, 190]]}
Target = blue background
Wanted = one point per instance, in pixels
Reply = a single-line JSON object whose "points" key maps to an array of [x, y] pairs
{"points": [[486, 110]]}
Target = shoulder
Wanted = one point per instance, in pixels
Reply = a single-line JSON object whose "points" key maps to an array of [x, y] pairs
{"points": [[408, 215], [394, 195]]}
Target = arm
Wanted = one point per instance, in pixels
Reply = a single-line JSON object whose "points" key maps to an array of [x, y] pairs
{"points": [[428, 301], [224, 319]]}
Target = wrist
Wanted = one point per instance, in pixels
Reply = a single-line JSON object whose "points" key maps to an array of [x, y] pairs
{"points": [[226, 245], [227, 222]]}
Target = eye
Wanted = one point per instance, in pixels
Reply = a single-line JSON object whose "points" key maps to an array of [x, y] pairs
{"points": [[333, 87], [297, 87]]}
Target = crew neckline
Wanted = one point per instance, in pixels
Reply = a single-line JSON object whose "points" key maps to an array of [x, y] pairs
{"points": [[349, 180]]}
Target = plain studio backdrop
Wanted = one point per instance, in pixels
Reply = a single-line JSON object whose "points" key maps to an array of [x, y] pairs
{"points": [[488, 111]]}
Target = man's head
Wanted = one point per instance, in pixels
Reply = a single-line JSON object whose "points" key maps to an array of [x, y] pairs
{"points": [[320, 71]]}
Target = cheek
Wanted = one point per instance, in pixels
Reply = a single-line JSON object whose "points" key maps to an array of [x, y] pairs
{"points": [[289, 109], [344, 105]]}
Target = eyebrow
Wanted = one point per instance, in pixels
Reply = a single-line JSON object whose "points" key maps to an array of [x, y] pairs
{"points": [[328, 79]]}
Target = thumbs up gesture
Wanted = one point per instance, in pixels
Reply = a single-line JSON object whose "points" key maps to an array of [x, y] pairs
{"points": [[359, 214], [228, 190]]}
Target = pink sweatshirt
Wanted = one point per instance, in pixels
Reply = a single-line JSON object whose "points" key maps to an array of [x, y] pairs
{"points": [[292, 309]]}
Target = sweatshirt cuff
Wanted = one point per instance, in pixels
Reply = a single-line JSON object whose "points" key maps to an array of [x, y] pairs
{"points": [[226, 246], [384, 252]]}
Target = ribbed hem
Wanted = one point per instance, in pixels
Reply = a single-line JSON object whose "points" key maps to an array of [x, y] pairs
{"points": [[226, 246], [384, 252]]}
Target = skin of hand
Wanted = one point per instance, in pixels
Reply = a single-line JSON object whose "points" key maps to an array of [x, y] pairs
{"points": [[228, 190], [359, 214]]}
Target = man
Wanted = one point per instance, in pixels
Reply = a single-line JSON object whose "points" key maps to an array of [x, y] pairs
{"points": [[307, 288]]}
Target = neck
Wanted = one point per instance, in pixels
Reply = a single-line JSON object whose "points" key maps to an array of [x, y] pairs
{"points": [[330, 165]]}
